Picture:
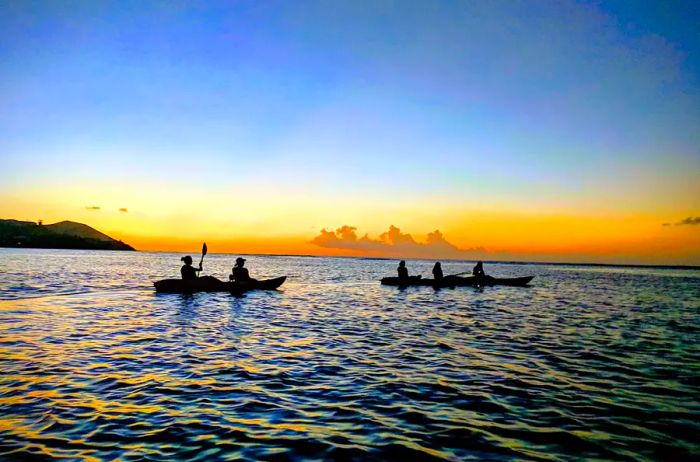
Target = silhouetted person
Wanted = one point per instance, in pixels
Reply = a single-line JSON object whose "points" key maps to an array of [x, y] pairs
{"points": [[188, 271], [238, 272], [403, 271], [437, 271], [478, 270]]}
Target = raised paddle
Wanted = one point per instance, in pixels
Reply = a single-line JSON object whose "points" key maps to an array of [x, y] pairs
{"points": [[204, 252]]}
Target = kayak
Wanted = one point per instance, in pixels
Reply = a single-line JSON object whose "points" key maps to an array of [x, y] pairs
{"points": [[455, 281], [210, 284]]}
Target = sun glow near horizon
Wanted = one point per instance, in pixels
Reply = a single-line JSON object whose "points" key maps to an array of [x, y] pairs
{"points": [[289, 224]]}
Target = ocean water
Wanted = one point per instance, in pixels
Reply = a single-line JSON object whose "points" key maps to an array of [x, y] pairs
{"points": [[588, 362]]}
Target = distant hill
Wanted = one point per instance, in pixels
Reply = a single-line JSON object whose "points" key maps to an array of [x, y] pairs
{"points": [[62, 235], [71, 228]]}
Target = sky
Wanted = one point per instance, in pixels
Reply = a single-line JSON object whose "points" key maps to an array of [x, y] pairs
{"points": [[516, 130]]}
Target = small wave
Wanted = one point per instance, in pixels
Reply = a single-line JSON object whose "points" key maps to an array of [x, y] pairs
{"points": [[583, 364]]}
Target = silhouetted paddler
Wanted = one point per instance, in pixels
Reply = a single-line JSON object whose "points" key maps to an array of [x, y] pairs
{"points": [[437, 271], [403, 271], [478, 270], [187, 271], [238, 272]]}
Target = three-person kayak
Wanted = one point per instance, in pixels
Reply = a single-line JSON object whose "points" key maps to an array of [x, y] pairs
{"points": [[181, 286], [456, 281]]}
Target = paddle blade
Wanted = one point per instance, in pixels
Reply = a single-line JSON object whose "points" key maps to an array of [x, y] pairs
{"points": [[204, 249]]}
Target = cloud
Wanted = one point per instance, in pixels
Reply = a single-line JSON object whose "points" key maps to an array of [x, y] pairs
{"points": [[394, 243], [92, 207], [690, 221], [123, 209]]}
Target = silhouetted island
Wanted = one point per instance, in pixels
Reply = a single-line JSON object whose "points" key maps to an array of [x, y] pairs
{"points": [[62, 235]]}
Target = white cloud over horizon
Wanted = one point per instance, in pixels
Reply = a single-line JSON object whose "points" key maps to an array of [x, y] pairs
{"points": [[394, 243]]}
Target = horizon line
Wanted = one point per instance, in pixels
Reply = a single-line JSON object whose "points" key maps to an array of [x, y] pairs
{"points": [[506, 262]]}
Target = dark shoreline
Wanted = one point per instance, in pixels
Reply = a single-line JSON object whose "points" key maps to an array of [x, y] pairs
{"points": [[17, 234], [70, 248]]}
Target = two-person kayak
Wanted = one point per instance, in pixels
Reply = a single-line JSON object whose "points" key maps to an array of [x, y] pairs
{"points": [[456, 281], [183, 286], [238, 283]]}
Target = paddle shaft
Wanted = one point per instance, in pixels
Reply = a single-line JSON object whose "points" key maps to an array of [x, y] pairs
{"points": [[204, 252], [458, 274]]}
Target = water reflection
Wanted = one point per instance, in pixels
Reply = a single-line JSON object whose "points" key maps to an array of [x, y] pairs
{"points": [[186, 307], [579, 365]]}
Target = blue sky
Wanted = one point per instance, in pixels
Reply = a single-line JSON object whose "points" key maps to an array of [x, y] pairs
{"points": [[508, 101]]}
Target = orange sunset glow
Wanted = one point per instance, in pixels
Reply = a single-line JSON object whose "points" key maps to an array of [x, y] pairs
{"points": [[292, 225]]}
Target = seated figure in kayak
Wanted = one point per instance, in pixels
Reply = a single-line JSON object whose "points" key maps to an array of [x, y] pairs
{"points": [[478, 270], [403, 271], [239, 273], [188, 271], [437, 271]]}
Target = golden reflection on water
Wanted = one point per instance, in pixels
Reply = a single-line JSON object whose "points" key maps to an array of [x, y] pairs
{"points": [[332, 370]]}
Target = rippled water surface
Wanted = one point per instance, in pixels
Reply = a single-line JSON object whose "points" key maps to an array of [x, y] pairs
{"points": [[599, 363]]}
